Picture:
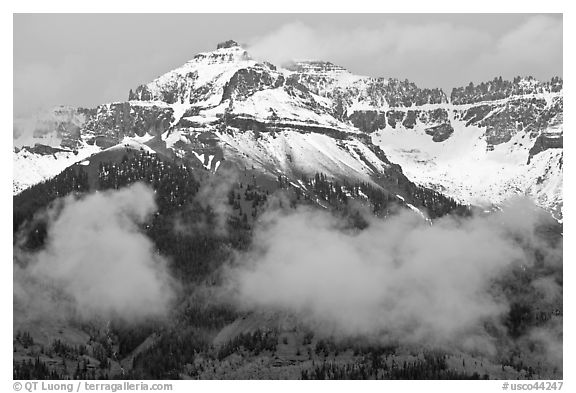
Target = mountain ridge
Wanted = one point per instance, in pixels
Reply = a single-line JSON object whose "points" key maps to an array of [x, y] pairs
{"points": [[224, 103]]}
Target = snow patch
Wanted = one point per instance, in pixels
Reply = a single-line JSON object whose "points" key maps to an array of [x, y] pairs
{"points": [[31, 168], [462, 167]]}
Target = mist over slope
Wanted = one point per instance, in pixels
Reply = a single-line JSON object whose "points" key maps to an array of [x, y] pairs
{"points": [[98, 259], [401, 279], [462, 284]]}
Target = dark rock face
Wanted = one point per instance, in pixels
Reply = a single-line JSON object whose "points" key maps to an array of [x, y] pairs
{"points": [[410, 120], [500, 127], [503, 120], [476, 114], [440, 128], [270, 65], [394, 117], [227, 44], [103, 141], [248, 81], [368, 121], [113, 122], [293, 81], [544, 142], [246, 123], [43, 149], [440, 132], [404, 93], [142, 93], [435, 116]]}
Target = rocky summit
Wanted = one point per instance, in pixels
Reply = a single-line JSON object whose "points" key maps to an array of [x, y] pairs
{"points": [[479, 144]]}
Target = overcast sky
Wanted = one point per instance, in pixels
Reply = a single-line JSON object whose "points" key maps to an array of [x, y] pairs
{"points": [[88, 59]]}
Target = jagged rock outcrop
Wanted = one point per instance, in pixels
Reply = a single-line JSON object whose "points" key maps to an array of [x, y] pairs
{"points": [[532, 113], [42, 149], [113, 122], [368, 121], [499, 89], [247, 81], [546, 141], [227, 44], [440, 132]]}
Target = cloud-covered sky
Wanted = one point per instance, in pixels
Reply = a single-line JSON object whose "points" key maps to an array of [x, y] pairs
{"points": [[87, 59]]}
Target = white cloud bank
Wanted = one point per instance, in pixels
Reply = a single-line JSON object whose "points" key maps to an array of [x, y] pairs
{"points": [[400, 278], [97, 257]]}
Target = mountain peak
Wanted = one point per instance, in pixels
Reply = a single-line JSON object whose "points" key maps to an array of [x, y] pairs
{"points": [[227, 44]]}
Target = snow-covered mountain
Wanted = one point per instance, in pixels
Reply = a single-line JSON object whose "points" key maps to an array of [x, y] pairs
{"points": [[504, 141], [480, 145]]}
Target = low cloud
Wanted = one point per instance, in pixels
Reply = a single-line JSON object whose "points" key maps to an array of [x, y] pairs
{"points": [[97, 258], [400, 279], [213, 195], [43, 127]]}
